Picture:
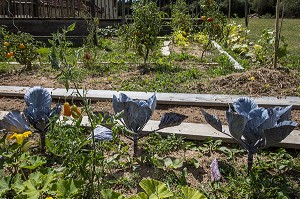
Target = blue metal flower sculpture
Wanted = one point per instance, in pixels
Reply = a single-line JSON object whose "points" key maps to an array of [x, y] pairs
{"points": [[255, 127], [15, 122], [102, 133], [38, 111], [136, 112]]}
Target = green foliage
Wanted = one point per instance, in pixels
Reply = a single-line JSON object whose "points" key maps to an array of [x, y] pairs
{"points": [[153, 189], [190, 193], [20, 46], [142, 33], [181, 18]]}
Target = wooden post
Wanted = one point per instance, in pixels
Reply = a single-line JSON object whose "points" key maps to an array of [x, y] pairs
{"points": [[93, 13], [229, 9], [36, 9], [123, 11], [276, 46], [246, 13]]}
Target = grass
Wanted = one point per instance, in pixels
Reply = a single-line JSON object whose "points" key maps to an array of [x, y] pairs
{"points": [[290, 30]]}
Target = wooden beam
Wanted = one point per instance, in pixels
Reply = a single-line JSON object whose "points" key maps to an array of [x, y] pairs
{"points": [[194, 131], [210, 100]]}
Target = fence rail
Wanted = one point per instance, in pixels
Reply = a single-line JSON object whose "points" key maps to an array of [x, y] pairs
{"points": [[72, 9], [103, 9]]}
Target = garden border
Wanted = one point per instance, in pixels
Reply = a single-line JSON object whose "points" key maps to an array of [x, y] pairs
{"points": [[184, 99], [195, 131]]}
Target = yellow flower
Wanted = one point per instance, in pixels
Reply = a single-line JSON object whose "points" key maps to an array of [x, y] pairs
{"points": [[19, 137], [252, 78], [48, 197]]}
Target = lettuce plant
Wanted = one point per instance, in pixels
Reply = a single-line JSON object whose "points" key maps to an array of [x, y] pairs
{"points": [[136, 114], [253, 127], [38, 111]]}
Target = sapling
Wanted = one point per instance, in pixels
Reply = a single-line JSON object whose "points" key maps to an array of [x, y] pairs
{"points": [[136, 114], [253, 127]]}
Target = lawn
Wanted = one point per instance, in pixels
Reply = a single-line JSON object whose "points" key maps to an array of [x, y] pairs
{"points": [[290, 30]]}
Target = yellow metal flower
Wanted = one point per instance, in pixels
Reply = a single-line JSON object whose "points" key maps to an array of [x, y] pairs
{"points": [[27, 133], [19, 137]]}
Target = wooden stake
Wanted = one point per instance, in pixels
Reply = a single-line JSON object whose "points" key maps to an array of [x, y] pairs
{"points": [[276, 34]]}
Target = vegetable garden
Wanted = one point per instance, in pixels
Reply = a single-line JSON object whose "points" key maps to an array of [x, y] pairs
{"points": [[75, 145]]}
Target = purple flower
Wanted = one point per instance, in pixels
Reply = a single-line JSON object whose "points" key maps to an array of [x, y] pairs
{"points": [[214, 170]]}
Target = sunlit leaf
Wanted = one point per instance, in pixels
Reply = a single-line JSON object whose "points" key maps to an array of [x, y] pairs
{"points": [[191, 193], [110, 194], [68, 188], [155, 189]]}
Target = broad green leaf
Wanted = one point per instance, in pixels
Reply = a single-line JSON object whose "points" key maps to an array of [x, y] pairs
{"points": [[32, 162], [110, 194], [177, 163], [27, 145], [190, 193], [140, 195], [155, 189], [4, 185], [72, 26], [42, 50], [68, 188], [195, 162]]}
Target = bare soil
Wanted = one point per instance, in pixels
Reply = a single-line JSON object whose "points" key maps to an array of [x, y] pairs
{"points": [[256, 82]]}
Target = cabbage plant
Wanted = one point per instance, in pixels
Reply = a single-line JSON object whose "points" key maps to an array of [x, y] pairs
{"points": [[38, 110], [136, 114], [253, 127]]}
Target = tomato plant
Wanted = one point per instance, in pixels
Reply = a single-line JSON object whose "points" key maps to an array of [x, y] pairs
{"points": [[142, 33], [14, 47]]}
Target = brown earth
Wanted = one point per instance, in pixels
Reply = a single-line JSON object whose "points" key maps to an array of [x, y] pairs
{"points": [[256, 82]]}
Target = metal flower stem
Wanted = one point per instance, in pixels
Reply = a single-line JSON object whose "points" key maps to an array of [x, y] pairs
{"points": [[135, 143], [43, 141], [250, 161]]}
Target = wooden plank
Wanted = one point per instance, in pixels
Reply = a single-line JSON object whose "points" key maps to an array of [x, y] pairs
{"points": [[194, 131], [203, 100]]}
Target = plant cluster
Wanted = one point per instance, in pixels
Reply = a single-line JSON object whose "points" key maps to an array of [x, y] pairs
{"points": [[20, 46], [260, 52], [142, 33]]}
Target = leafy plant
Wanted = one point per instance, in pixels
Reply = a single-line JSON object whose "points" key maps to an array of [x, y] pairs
{"points": [[253, 127], [142, 33], [181, 19]]}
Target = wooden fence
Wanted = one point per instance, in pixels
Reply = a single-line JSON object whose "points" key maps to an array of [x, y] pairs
{"points": [[72, 9], [103, 9]]}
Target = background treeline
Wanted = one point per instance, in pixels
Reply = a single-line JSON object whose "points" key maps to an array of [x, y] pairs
{"points": [[265, 8]]}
